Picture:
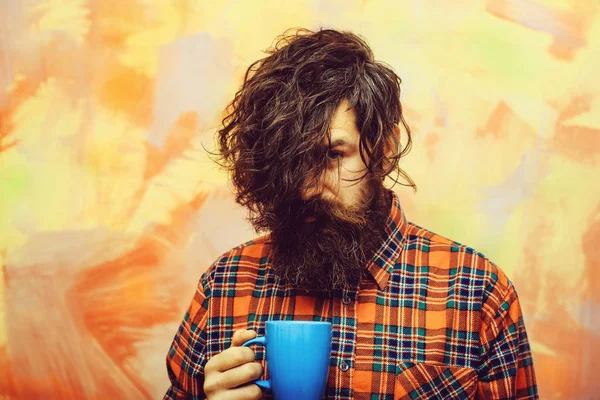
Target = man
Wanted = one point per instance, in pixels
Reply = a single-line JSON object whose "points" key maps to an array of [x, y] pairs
{"points": [[309, 139]]}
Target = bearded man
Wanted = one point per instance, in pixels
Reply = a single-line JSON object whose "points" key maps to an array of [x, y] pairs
{"points": [[309, 140]]}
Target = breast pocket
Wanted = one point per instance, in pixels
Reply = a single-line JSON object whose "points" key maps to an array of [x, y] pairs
{"points": [[430, 381]]}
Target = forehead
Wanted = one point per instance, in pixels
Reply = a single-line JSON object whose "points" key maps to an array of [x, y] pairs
{"points": [[343, 127]]}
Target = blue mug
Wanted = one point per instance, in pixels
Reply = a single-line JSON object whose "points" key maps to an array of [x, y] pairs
{"points": [[298, 354]]}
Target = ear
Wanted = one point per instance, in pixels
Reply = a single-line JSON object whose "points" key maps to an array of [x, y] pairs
{"points": [[392, 145]]}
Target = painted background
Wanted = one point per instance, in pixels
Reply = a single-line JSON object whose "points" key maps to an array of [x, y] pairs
{"points": [[110, 208]]}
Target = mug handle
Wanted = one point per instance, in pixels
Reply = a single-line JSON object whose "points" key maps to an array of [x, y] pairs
{"points": [[261, 341]]}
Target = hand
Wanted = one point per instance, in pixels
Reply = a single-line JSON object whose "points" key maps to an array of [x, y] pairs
{"points": [[227, 375]]}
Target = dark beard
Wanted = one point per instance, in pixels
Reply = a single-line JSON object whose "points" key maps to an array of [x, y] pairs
{"points": [[331, 252]]}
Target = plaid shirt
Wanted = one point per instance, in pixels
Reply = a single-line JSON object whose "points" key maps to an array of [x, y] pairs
{"points": [[433, 320]]}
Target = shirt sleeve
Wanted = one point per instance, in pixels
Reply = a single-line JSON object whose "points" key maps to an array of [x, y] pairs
{"points": [[506, 365], [187, 356]]}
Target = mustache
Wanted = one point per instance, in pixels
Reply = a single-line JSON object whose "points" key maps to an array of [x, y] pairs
{"points": [[323, 210]]}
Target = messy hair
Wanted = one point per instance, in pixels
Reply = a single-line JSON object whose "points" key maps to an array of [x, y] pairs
{"points": [[274, 134]]}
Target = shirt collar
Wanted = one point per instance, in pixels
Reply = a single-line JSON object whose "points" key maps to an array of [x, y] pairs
{"points": [[385, 258]]}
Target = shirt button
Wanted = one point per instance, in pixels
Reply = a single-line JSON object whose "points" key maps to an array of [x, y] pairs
{"points": [[344, 366], [346, 300]]}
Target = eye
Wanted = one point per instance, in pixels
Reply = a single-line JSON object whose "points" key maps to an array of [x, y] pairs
{"points": [[334, 155]]}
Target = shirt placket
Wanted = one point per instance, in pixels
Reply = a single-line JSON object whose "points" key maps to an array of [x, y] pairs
{"points": [[347, 342]]}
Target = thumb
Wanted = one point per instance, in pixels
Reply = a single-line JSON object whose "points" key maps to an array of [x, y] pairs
{"points": [[242, 336]]}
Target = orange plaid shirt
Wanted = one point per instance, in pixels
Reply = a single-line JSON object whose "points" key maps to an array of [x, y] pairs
{"points": [[434, 319]]}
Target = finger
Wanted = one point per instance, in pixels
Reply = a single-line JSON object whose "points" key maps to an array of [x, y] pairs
{"points": [[246, 392], [230, 358], [240, 375], [242, 336]]}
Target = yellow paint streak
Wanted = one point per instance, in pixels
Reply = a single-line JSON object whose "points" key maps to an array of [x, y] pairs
{"points": [[71, 16]]}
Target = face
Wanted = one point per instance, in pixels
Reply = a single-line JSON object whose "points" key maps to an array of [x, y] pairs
{"points": [[340, 183], [324, 240]]}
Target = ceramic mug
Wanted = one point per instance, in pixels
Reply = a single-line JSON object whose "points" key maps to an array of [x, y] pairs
{"points": [[298, 354]]}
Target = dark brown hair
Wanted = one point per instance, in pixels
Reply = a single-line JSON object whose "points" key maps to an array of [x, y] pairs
{"points": [[275, 130]]}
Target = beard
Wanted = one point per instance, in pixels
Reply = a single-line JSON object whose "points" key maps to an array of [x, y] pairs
{"points": [[319, 245]]}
